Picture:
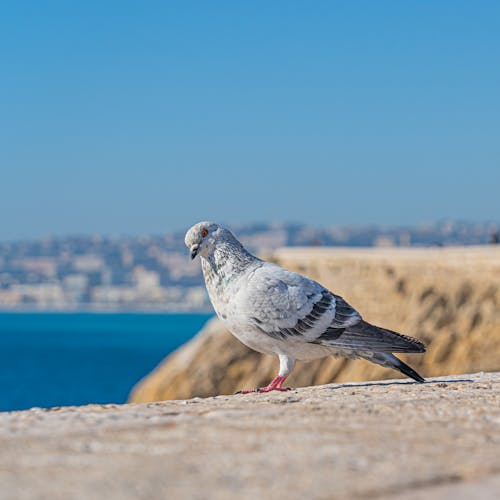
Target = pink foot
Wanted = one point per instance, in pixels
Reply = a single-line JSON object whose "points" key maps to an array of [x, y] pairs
{"points": [[275, 385], [269, 389]]}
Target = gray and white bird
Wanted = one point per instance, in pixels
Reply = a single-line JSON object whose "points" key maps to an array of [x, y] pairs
{"points": [[280, 312]]}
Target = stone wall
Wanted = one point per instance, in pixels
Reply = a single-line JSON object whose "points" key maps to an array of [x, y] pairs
{"points": [[380, 440]]}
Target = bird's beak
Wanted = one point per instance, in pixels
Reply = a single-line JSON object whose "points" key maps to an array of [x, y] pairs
{"points": [[194, 251]]}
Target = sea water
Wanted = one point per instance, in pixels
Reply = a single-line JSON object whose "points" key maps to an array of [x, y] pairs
{"points": [[73, 359]]}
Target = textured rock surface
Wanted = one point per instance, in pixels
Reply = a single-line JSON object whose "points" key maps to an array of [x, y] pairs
{"points": [[448, 297], [379, 440]]}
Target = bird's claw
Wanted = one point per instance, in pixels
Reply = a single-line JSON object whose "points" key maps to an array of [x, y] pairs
{"points": [[260, 390], [281, 389]]}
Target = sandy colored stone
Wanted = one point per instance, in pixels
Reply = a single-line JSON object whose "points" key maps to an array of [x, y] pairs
{"points": [[448, 297], [382, 440]]}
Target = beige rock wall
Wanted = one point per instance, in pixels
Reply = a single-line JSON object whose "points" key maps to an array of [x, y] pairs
{"points": [[447, 297]]}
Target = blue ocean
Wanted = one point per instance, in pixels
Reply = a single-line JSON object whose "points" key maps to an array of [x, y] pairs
{"points": [[74, 359]]}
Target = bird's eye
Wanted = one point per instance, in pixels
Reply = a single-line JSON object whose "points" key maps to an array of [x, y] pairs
{"points": [[204, 232]]}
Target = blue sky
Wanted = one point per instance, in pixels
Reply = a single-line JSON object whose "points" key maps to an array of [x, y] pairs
{"points": [[143, 117]]}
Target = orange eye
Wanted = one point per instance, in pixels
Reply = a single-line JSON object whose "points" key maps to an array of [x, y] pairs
{"points": [[204, 232]]}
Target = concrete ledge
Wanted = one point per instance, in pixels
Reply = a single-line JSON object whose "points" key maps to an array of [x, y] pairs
{"points": [[390, 439]]}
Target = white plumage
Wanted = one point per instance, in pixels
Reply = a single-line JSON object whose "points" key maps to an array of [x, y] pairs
{"points": [[276, 311]]}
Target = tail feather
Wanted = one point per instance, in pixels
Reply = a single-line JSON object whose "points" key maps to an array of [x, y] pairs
{"points": [[390, 361]]}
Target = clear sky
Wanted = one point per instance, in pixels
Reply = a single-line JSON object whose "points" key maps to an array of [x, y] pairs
{"points": [[142, 117]]}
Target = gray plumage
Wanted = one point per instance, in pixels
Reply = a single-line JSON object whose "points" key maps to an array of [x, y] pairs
{"points": [[276, 311]]}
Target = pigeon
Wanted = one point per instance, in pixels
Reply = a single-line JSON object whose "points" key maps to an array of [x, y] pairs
{"points": [[276, 311]]}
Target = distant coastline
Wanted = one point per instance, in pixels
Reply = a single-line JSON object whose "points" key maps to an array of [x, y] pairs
{"points": [[158, 312], [97, 310], [154, 274]]}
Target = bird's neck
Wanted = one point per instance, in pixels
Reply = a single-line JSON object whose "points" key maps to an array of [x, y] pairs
{"points": [[228, 260]]}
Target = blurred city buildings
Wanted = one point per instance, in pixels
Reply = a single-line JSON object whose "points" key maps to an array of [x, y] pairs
{"points": [[155, 273]]}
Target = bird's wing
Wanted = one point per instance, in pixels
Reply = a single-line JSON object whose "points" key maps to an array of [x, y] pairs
{"points": [[363, 336], [284, 304]]}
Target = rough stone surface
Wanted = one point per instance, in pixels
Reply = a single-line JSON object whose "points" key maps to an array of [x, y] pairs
{"points": [[448, 297], [370, 440]]}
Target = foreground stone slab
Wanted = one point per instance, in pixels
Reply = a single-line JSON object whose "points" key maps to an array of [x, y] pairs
{"points": [[390, 439]]}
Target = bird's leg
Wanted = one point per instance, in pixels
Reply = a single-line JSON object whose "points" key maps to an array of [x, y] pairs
{"points": [[286, 366], [275, 385]]}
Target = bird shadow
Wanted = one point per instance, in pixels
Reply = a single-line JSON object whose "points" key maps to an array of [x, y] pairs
{"points": [[402, 382]]}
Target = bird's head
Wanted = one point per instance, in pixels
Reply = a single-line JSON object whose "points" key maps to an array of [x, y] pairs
{"points": [[202, 238]]}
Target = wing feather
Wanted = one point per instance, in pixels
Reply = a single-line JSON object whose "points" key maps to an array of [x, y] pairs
{"points": [[283, 304], [290, 305], [367, 337]]}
